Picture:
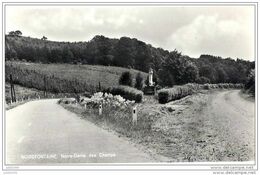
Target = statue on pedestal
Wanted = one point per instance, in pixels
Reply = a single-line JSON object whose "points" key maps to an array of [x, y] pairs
{"points": [[151, 83], [150, 88]]}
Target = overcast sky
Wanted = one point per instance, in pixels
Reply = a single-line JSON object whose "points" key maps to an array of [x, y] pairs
{"points": [[216, 30]]}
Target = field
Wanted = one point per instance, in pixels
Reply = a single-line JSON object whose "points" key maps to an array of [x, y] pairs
{"points": [[65, 77]]}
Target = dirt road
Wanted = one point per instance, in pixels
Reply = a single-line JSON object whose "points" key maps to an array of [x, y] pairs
{"points": [[44, 132], [233, 119], [215, 126], [233, 114]]}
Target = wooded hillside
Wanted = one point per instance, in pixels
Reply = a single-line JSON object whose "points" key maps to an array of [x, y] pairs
{"points": [[170, 67]]}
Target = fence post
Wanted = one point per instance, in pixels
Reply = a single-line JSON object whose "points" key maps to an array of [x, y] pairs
{"points": [[134, 115], [13, 96], [44, 81], [99, 86], [100, 109]]}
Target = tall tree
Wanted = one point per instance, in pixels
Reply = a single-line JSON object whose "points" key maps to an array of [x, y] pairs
{"points": [[138, 81], [126, 79], [177, 70], [67, 55]]}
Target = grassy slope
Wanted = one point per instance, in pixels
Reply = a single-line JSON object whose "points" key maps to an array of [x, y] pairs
{"points": [[106, 75], [20, 92]]}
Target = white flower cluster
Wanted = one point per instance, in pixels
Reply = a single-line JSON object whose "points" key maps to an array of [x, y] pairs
{"points": [[107, 99]]}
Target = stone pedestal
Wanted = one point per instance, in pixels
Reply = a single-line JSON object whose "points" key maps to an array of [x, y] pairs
{"points": [[149, 90]]}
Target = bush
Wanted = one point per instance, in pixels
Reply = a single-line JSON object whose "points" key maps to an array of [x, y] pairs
{"points": [[177, 92], [115, 110], [67, 101], [239, 86], [206, 86], [127, 92], [126, 79], [203, 80], [222, 86], [250, 82]]}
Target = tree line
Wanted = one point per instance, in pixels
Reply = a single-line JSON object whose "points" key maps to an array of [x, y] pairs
{"points": [[171, 68]]}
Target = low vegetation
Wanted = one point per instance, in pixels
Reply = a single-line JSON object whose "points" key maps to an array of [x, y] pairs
{"points": [[24, 94], [170, 94], [115, 109], [176, 92], [127, 92], [250, 83], [21, 93], [223, 86]]}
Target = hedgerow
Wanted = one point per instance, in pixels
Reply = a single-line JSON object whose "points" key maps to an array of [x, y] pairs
{"points": [[127, 92], [177, 92]]}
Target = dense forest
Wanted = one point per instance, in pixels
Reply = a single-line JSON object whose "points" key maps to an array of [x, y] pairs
{"points": [[170, 67]]}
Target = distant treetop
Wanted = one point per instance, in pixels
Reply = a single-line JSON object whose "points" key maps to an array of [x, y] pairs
{"points": [[15, 33], [44, 38]]}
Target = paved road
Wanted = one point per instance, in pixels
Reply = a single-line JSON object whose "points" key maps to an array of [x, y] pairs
{"points": [[44, 132]]}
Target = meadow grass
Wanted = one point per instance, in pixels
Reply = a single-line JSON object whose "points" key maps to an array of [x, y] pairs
{"points": [[80, 78]]}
